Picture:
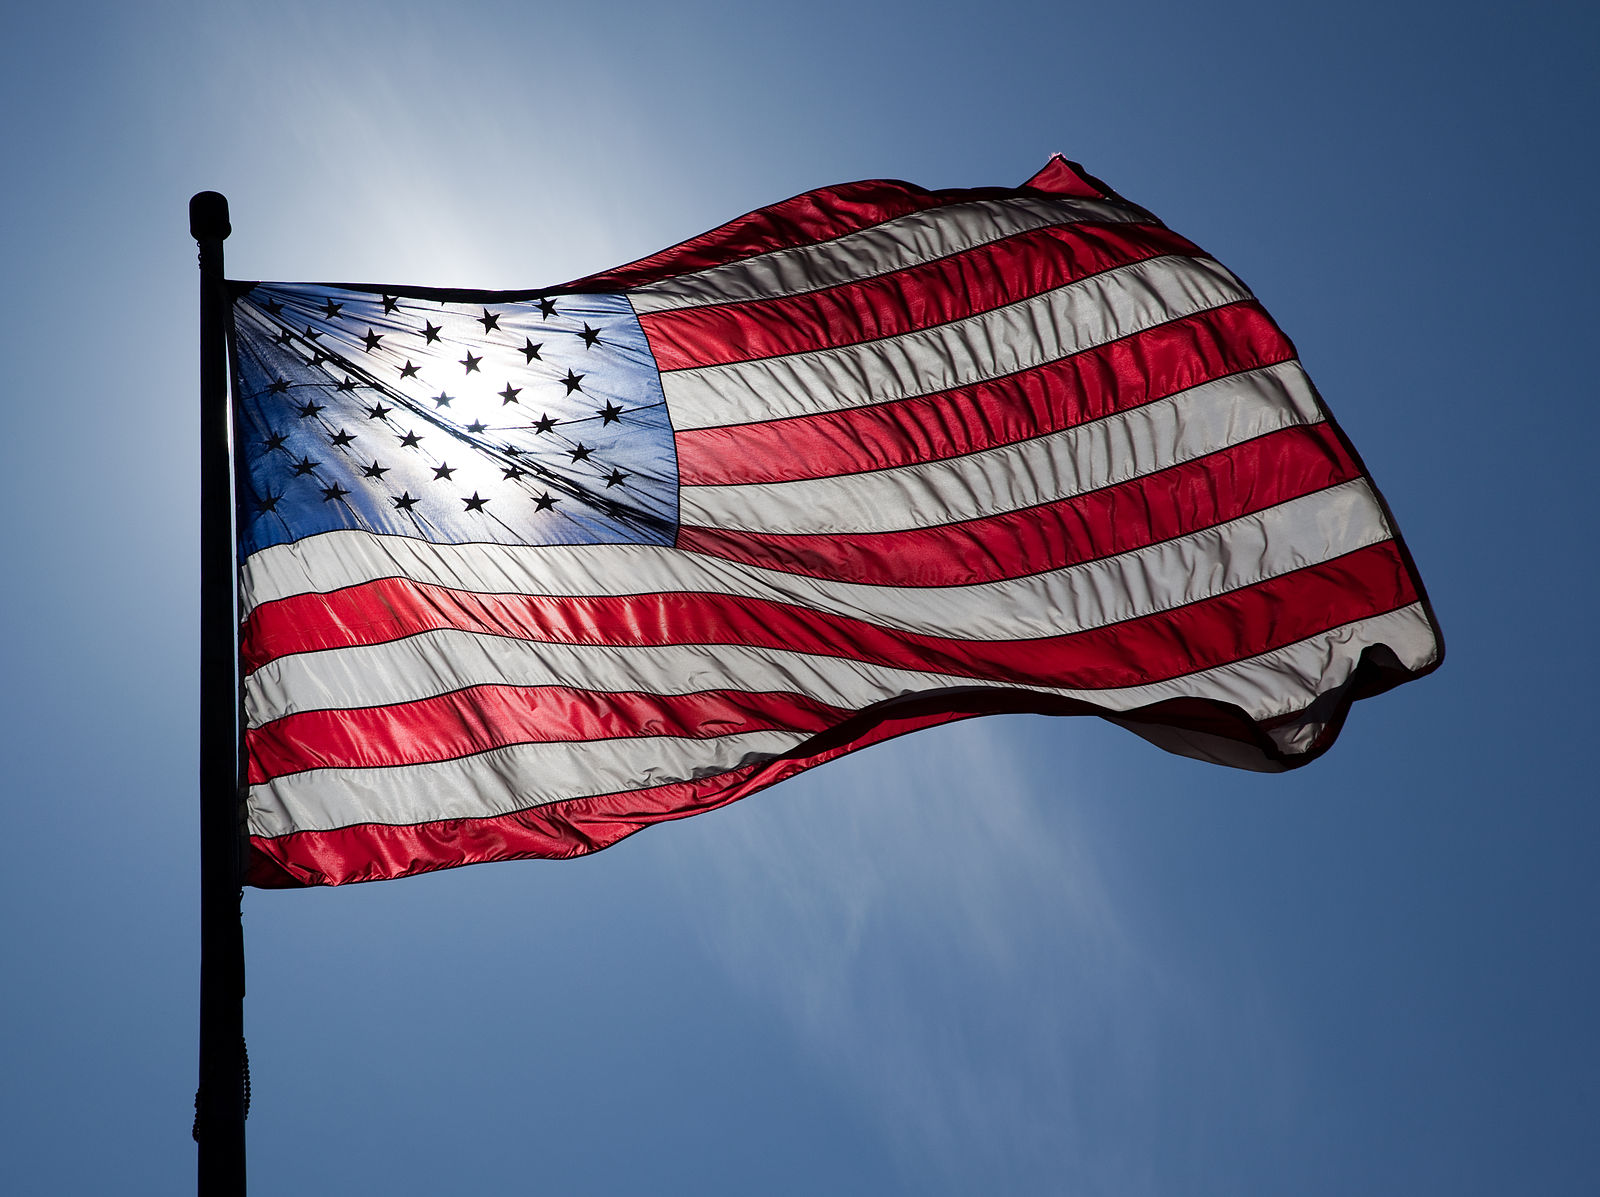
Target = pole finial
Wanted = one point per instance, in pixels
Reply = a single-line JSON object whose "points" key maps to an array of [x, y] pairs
{"points": [[208, 216]]}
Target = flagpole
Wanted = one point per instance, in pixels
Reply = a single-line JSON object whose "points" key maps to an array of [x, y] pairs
{"points": [[220, 1100]]}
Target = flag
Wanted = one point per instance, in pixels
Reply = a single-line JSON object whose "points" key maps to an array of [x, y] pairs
{"points": [[522, 573]]}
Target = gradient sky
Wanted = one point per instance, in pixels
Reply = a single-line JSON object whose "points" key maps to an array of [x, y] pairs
{"points": [[1019, 955]]}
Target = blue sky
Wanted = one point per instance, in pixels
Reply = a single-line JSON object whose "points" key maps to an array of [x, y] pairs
{"points": [[1017, 955]]}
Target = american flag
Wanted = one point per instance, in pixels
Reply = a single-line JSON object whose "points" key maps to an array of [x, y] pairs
{"points": [[522, 573]]}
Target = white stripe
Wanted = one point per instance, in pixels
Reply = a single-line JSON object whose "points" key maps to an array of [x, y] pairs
{"points": [[1215, 560], [1315, 672], [440, 662], [1019, 336], [498, 781], [881, 249], [1087, 457], [517, 777], [436, 663]]}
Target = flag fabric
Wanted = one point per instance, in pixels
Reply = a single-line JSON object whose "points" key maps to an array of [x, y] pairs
{"points": [[522, 573]]}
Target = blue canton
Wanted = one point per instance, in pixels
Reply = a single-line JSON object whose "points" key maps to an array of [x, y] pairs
{"points": [[537, 421]]}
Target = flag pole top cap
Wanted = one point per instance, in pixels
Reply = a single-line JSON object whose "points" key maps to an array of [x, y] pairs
{"points": [[208, 216]]}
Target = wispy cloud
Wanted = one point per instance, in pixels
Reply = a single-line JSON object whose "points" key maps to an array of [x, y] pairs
{"points": [[949, 934]]}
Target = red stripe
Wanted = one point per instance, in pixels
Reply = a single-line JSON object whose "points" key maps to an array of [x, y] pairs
{"points": [[481, 718], [1214, 631], [1062, 177], [1117, 376], [806, 219], [1209, 490], [578, 826], [931, 293], [372, 852], [822, 215]]}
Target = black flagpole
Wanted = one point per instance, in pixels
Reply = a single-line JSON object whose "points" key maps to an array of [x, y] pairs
{"points": [[220, 1101]]}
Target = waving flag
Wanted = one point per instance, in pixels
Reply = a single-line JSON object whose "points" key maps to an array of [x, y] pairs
{"points": [[522, 573]]}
